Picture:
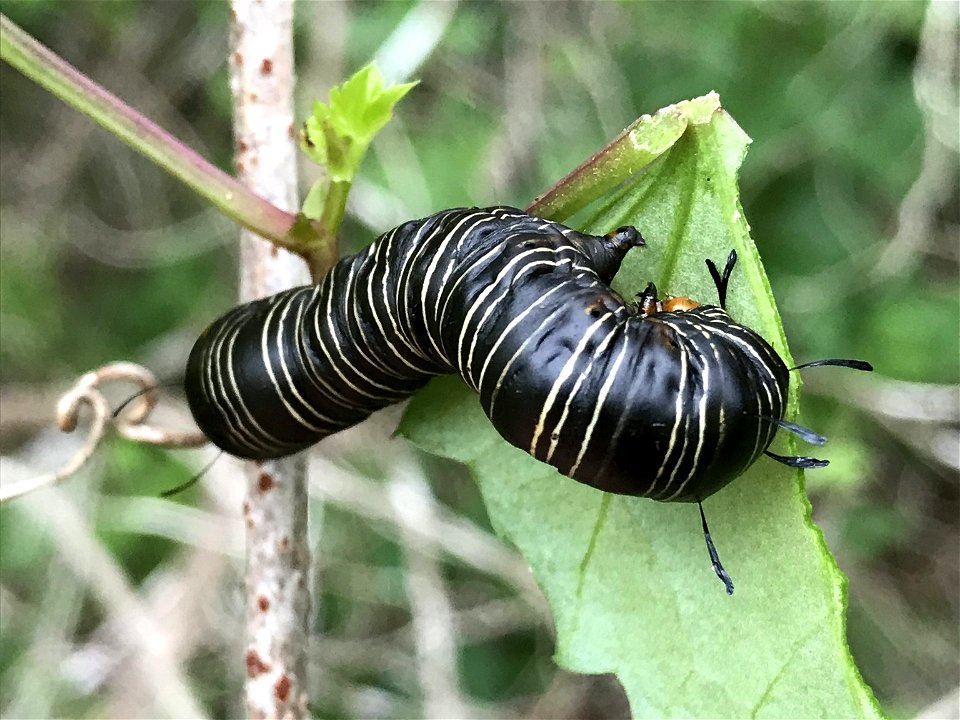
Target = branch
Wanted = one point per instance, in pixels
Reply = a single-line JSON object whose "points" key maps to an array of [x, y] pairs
{"points": [[234, 199], [275, 511], [131, 423]]}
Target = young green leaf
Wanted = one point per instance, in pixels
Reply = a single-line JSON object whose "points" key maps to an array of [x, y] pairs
{"points": [[337, 134], [315, 200]]}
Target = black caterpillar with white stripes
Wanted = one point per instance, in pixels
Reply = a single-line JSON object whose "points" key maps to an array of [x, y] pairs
{"points": [[665, 399]]}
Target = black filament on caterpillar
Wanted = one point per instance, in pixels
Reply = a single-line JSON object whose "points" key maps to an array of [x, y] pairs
{"points": [[660, 398]]}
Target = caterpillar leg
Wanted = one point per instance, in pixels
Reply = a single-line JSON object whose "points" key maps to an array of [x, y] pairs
{"points": [[797, 461], [714, 556], [800, 461]]}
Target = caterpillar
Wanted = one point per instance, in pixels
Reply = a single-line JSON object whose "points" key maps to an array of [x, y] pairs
{"points": [[666, 398]]}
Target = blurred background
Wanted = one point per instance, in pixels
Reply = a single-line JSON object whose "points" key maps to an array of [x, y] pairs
{"points": [[851, 188]]}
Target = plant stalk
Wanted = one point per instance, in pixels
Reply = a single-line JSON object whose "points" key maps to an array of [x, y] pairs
{"points": [[235, 200], [275, 510]]}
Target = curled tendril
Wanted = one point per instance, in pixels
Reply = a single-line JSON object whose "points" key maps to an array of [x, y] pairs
{"points": [[130, 423]]}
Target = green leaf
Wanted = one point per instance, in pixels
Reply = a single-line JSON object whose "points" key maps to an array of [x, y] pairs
{"points": [[628, 579], [316, 199], [642, 142], [337, 134]]}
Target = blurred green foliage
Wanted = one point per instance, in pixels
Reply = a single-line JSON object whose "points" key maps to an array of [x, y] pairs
{"points": [[104, 257]]}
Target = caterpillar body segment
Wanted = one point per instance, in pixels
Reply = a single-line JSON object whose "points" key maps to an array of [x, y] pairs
{"points": [[627, 397]]}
